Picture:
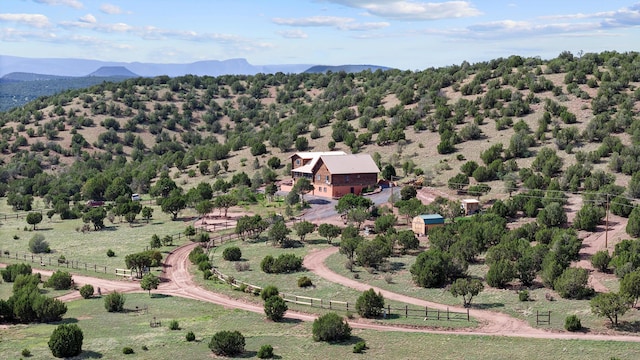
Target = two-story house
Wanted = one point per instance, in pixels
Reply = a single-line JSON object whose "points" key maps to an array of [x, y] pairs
{"points": [[335, 174]]}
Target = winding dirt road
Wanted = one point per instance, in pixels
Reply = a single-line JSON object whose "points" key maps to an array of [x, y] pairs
{"points": [[491, 323], [177, 281]]}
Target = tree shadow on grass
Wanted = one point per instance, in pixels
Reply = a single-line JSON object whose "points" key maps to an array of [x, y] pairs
{"points": [[88, 354], [392, 316], [349, 342], [486, 306], [67, 321], [629, 326], [247, 355], [316, 242], [287, 320], [160, 296]]}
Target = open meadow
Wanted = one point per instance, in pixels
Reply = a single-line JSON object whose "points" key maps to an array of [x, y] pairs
{"points": [[66, 239], [105, 334], [492, 299], [253, 253]]}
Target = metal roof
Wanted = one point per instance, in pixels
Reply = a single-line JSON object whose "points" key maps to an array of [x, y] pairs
{"points": [[432, 218], [314, 156], [350, 164]]}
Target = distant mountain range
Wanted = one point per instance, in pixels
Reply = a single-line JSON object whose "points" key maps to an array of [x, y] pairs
{"points": [[25, 79], [82, 67]]}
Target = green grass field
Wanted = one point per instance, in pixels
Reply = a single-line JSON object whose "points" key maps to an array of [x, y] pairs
{"points": [[253, 253], [105, 334], [491, 299], [91, 247]]}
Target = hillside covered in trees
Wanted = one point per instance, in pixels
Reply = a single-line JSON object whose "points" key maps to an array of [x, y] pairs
{"points": [[514, 124]]}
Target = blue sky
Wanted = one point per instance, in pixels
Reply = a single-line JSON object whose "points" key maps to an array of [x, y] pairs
{"points": [[406, 34]]}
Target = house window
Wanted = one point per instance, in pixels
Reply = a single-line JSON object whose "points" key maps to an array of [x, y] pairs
{"points": [[298, 162], [327, 178], [318, 177], [325, 189], [347, 178]]}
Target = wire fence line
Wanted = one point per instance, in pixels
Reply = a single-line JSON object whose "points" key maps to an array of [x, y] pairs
{"points": [[22, 214], [63, 262], [408, 311], [50, 260]]}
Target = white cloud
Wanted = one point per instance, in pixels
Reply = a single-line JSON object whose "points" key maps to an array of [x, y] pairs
{"points": [[293, 34], [341, 23], [14, 35], [35, 20], [88, 19], [110, 9], [314, 21], [365, 26], [72, 3], [624, 17], [413, 10], [93, 25]]}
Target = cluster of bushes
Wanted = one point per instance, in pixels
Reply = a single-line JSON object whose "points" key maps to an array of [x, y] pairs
{"points": [[227, 343], [26, 304], [274, 305], [199, 258], [232, 253], [284, 263], [11, 272], [331, 327], [370, 305], [59, 280], [114, 302], [86, 291], [304, 281], [38, 245], [66, 341]]}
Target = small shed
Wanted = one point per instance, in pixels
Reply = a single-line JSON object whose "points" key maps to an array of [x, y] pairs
{"points": [[470, 206], [422, 223]]}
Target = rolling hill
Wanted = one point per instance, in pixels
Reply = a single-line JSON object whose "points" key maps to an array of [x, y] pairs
{"points": [[496, 115]]}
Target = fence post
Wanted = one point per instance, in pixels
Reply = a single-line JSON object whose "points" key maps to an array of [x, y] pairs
{"points": [[438, 314], [85, 266], [406, 310], [105, 269], [447, 313], [426, 312], [468, 319]]}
